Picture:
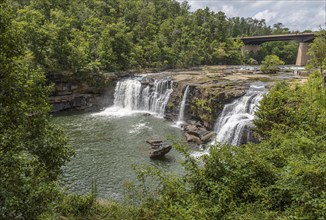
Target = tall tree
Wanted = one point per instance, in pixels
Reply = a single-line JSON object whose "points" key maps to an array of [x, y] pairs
{"points": [[32, 150], [317, 51]]}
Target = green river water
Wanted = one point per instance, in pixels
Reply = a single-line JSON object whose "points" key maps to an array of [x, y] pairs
{"points": [[107, 148]]}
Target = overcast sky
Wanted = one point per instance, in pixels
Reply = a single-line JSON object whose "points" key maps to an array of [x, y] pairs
{"points": [[294, 14]]}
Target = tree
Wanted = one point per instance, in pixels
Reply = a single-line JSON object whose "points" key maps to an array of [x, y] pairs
{"points": [[317, 51], [32, 149], [270, 64]]}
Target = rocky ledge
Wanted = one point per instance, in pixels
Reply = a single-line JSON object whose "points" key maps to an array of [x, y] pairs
{"points": [[76, 95], [210, 89]]}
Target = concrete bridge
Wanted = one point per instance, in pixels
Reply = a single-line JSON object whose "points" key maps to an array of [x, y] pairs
{"points": [[252, 44]]}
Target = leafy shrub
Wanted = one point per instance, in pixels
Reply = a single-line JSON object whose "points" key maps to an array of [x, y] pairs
{"points": [[270, 64]]}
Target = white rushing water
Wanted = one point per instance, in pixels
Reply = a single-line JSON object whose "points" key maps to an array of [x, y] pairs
{"points": [[182, 107], [235, 122], [131, 96]]}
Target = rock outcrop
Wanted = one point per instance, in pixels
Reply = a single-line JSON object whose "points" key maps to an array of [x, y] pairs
{"points": [[205, 101], [73, 95]]}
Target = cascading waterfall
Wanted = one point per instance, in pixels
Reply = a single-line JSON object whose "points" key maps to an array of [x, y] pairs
{"points": [[159, 97], [182, 106], [130, 96], [235, 122], [126, 94]]}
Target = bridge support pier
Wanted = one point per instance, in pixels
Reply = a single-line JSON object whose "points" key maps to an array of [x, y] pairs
{"points": [[302, 56], [249, 48]]}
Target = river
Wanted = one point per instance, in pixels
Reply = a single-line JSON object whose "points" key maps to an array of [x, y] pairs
{"points": [[108, 146]]}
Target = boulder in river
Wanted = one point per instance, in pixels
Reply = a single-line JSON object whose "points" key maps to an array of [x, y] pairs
{"points": [[160, 152]]}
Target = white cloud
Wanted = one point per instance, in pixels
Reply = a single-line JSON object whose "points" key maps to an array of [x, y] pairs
{"points": [[230, 11], [296, 15], [259, 4], [266, 14]]}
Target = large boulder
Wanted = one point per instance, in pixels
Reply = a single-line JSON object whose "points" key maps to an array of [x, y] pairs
{"points": [[160, 152]]}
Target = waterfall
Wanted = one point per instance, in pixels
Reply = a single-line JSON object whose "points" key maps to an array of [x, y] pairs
{"points": [[126, 94], [235, 122], [159, 97], [132, 96], [182, 106]]}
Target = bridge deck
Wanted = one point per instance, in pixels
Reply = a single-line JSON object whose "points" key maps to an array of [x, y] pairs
{"points": [[257, 40]]}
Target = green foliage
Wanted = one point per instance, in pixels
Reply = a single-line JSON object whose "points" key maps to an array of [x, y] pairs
{"points": [[317, 52], [118, 35], [286, 51], [32, 150], [294, 107], [270, 64], [201, 108]]}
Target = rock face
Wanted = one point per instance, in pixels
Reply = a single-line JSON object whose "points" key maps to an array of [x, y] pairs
{"points": [[205, 101], [71, 95]]}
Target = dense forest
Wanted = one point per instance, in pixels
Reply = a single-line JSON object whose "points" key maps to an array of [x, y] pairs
{"points": [[282, 177], [117, 35]]}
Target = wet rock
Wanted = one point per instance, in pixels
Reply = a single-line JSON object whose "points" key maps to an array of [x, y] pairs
{"points": [[234, 71], [258, 72], [192, 138], [193, 133], [190, 128], [198, 124], [303, 73], [147, 81], [192, 122], [156, 146], [198, 133], [160, 152], [208, 137], [227, 71], [207, 126], [202, 129], [146, 114], [168, 117]]}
